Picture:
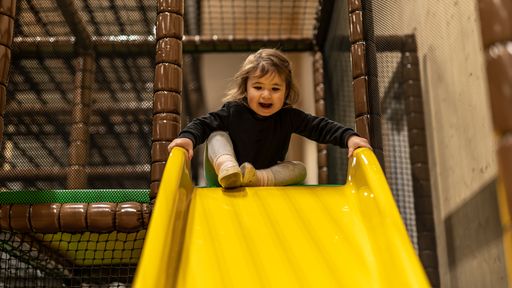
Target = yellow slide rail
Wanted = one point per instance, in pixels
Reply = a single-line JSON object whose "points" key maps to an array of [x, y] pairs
{"points": [[384, 221], [348, 235], [159, 262]]}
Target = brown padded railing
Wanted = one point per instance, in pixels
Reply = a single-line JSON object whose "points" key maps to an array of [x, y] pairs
{"points": [[75, 217], [496, 29], [366, 107], [167, 85], [145, 45], [497, 39], [7, 13]]}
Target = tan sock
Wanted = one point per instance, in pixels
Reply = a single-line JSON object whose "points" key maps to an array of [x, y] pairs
{"points": [[253, 177], [228, 171], [281, 174]]}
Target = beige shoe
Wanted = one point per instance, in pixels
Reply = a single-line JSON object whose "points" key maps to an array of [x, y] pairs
{"points": [[229, 174], [230, 177], [248, 175], [253, 177]]}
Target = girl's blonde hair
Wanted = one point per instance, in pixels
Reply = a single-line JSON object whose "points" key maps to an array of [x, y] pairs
{"points": [[259, 64]]}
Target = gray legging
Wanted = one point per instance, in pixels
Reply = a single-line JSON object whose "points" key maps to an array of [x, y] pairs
{"points": [[219, 143]]}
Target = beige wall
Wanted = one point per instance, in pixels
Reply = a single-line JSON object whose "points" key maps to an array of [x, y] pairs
{"points": [[460, 138], [217, 70]]}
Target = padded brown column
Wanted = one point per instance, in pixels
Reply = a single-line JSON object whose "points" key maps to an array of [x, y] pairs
{"points": [[7, 13], [496, 28], [167, 85], [365, 89], [318, 70], [79, 139], [423, 208]]}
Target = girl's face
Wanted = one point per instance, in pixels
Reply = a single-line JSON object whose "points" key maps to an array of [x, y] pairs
{"points": [[266, 95]]}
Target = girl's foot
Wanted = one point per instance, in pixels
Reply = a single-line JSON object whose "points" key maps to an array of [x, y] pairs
{"points": [[229, 174], [230, 177], [282, 174], [253, 177], [248, 175]]}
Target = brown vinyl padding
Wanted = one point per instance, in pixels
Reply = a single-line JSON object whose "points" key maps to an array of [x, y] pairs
{"points": [[496, 29], [169, 50], [318, 72], [167, 102], [360, 92], [7, 13], [6, 30], [165, 126], [496, 23], [362, 54], [358, 53], [356, 33], [75, 217], [167, 83], [5, 59], [20, 218], [168, 77], [354, 6], [499, 61], [44, 218], [505, 162], [159, 151]]}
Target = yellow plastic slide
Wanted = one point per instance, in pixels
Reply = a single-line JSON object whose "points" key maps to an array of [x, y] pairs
{"points": [[295, 236]]}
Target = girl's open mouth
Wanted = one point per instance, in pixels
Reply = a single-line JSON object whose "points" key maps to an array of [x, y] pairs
{"points": [[265, 105]]}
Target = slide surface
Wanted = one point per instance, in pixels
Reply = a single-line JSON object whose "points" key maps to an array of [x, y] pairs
{"points": [[297, 236]]}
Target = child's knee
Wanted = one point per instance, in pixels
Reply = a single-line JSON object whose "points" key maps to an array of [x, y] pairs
{"points": [[221, 135]]}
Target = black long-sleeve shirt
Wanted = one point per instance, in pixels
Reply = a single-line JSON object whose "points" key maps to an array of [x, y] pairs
{"points": [[263, 141]]}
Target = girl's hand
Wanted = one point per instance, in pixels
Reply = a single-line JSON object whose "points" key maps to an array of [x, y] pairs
{"points": [[355, 142], [184, 143]]}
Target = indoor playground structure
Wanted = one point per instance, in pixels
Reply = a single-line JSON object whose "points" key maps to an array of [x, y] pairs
{"points": [[93, 92]]}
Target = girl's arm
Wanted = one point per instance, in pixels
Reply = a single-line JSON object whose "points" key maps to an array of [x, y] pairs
{"points": [[325, 131]]}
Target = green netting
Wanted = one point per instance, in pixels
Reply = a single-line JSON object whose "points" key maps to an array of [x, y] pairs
{"points": [[74, 196]]}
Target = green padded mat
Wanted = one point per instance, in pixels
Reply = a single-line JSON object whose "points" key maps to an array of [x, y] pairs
{"points": [[74, 196]]}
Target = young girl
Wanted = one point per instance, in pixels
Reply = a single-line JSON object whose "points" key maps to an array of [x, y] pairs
{"points": [[249, 136]]}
